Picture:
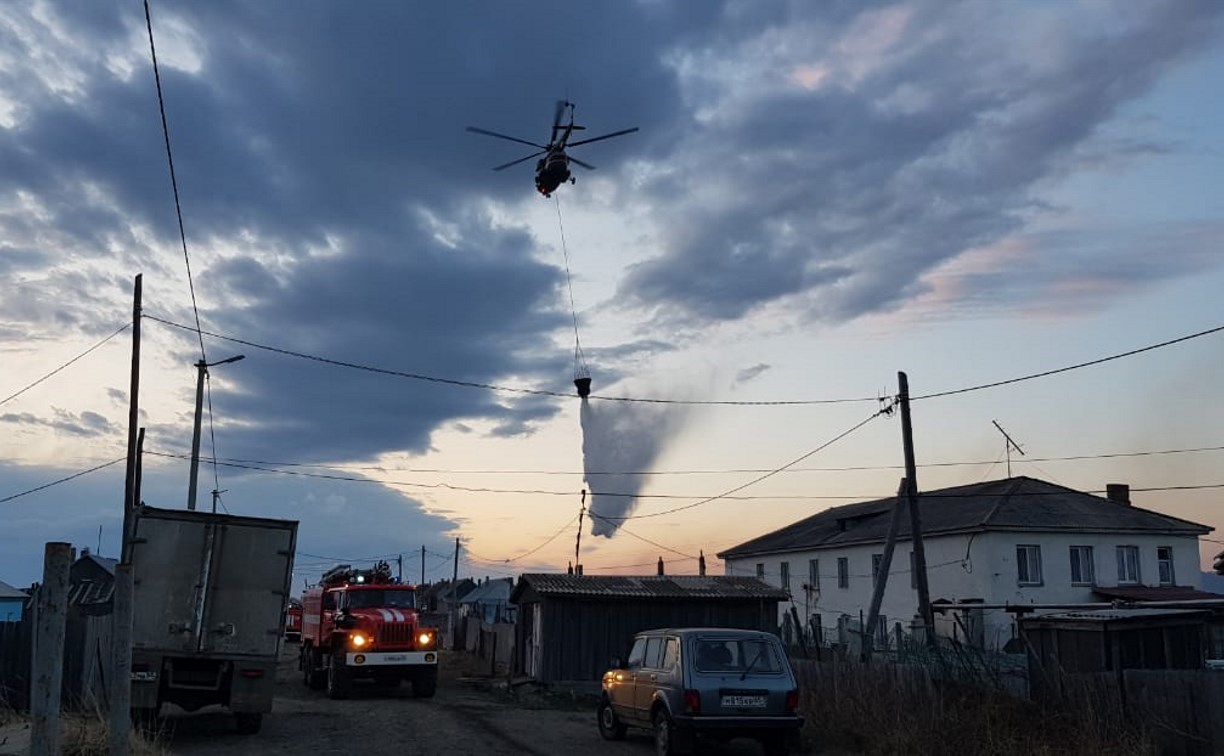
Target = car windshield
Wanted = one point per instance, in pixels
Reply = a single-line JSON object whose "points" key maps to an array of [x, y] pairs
{"points": [[736, 655], [376, 597]]}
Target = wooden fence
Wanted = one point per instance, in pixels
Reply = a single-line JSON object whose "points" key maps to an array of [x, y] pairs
{"points": [[16, 651], [87, 651]]}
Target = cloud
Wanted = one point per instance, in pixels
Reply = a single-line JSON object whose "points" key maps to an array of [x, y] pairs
{"points": [[750, 373], [834, 162], [82, 425]]}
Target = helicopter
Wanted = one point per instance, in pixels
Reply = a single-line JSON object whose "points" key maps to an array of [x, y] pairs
{"points": [[552, 170]]}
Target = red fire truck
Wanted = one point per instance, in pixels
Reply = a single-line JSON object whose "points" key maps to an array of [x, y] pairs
{"points": [[293, 621], [364, 624]]}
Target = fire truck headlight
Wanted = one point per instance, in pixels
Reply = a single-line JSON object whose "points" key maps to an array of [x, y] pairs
{"points": [[358, 640], [425, 639]]}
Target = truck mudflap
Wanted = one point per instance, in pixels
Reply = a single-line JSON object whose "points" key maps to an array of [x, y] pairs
{"points": [[392, 658]]}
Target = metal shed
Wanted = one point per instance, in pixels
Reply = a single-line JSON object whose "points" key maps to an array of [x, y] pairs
{"points": [[570, 626]]}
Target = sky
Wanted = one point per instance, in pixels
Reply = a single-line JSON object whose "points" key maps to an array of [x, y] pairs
{"points": [[820, 196]]}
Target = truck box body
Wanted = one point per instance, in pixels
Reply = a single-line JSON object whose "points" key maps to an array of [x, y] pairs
{"points": [[210, 594]]}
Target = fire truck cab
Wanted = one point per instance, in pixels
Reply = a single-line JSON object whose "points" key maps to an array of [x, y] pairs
{"points": [[363, 624]]}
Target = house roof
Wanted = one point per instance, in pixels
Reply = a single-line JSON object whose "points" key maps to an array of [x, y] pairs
{"points": [[490, 591], [105, 563], [1010, 504], [9, 592], [646, 587], [1156, 593]]}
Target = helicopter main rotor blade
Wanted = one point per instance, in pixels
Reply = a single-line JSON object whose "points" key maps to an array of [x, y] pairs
{"points": [[605, 136], [561, 105], [576, 161], [486, 132], [520, 160]]}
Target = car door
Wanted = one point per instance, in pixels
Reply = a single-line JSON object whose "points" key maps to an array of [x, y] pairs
{"points": [[621, 688], [646, 678]]}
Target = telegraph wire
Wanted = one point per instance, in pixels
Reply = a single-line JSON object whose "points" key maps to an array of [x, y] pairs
{"points": [[63, 480], [122, 328], [1068, 368], [489, 386]]}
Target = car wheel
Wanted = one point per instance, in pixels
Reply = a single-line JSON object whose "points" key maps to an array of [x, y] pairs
{"points": [[663, 734], [610, 726], [339, 681]]}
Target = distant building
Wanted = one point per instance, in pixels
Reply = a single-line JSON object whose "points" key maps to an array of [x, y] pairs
{"points": [[92, 583], [489, 601], [12, 603], [1017, 540]]}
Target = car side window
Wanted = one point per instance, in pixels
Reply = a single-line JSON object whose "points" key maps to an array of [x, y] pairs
{"points": [[329, 600], [654, 653], [670, 653], [637, 653]]}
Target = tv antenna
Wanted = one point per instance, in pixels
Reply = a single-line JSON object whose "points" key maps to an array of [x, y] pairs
{"points": [[1008, 445]]}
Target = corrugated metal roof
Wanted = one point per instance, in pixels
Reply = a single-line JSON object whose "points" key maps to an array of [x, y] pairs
{"points": [[9, 592], [492, 591], [649, 586], [1156, 593], [1107, 615], [1010, 504]]}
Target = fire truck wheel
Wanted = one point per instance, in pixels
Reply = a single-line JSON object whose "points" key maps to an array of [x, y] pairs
{"points": [[425, 683], [309, 662], [339, 681], [248, 722]]}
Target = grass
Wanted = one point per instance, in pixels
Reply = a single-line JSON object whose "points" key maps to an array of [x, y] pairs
{"points": [[886, 710], [87, 734]]}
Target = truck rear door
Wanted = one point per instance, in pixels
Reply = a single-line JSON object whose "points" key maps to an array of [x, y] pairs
{"points": [[247, 588]]}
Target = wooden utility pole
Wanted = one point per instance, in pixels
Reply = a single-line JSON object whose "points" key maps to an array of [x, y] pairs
{"points": [[47, 674], [120, 690], [881, 578], [130, 501], [911, 494], [454, 616], [422, 564]]}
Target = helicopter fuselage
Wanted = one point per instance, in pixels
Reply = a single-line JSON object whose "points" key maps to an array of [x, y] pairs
{"points": [[552, 171]]}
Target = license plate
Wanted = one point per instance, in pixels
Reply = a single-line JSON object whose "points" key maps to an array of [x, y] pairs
{"points": [[743, 702], [396, 657]]}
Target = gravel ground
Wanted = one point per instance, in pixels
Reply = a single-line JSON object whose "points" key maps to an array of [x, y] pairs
{"points": [[465, 717]]}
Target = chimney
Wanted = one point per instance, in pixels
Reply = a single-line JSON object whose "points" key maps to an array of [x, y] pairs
{"points": [[1119, 493], [660, 565], [701, 564], [578, 570]]}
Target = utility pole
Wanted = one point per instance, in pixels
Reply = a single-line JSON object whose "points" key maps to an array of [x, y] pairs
{"points": [[911, 494], [201, 373], [881, 578], [120, 693], [47, 673], [454, 618], [399, 561], [130, 501], [422, 564], [578, 542]]}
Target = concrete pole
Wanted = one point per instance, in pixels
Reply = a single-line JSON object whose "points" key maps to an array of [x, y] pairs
{"points": [[130, 497], [881, 580], [119, 719], [454, 607], [47, 675], [201, 371]]}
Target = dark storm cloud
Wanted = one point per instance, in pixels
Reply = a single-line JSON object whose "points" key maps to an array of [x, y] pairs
{"points": [[83, 425], [926, 132]]}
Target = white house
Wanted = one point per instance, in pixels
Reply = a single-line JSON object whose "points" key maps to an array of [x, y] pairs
{"points": [[1017, 540]]}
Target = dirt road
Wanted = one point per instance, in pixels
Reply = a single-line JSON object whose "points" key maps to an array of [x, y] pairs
{"points": [[461, 719]]}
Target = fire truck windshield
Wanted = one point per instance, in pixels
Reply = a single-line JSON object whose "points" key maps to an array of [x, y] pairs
{"points": [[376, 597]]}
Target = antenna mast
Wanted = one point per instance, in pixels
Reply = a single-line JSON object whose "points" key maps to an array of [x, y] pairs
{"points": [[1008, 445]]}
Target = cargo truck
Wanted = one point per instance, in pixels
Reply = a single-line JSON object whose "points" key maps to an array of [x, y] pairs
{"points": [[210, 595]]}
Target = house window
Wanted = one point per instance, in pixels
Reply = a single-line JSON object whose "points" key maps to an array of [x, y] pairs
{"points": [[760, 570], [1028, 564], [814, 574], [1164, 560], [785, 569], [1128, 565], [1082, 571], [843, 572], [876, 561]]}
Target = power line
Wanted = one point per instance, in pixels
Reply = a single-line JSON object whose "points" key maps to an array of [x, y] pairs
{"points": [[1076, 366], [122, 328], [178, 208], [621, 529], [720, 471], [63, 480], [754, 481], [488, 386]]}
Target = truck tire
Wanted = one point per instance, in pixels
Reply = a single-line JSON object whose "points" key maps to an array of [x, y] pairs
{"points": [[339, 680], [425, 683], [248, 722], [311, 676]]}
